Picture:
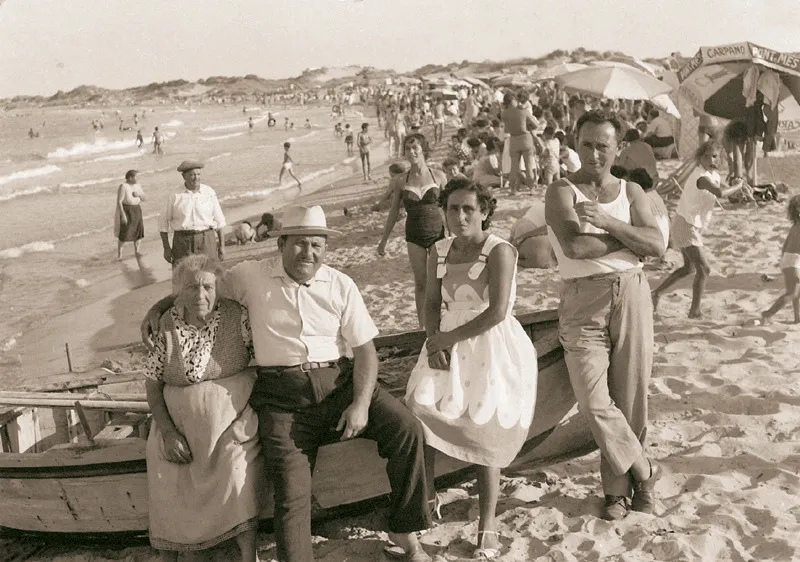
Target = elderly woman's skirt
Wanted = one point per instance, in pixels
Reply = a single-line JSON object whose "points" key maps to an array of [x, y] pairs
{"points": [[133, 229], [217, 495]]}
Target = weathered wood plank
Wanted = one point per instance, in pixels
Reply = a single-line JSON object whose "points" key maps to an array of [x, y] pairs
{"points": [[126, 425]]}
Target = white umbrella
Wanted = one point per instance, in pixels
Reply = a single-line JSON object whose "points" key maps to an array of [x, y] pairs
{"points": [[613, 82], [556, 70], [512, 80]]}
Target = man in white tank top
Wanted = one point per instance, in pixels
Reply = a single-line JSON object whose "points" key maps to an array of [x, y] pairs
{"points": [[599, 228]]}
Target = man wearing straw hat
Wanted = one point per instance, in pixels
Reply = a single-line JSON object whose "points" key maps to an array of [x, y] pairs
{"points": [[195, 218], [317, 371]]}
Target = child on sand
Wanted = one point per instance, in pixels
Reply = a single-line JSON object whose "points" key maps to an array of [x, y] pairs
{"points": [[287, 165], [364, 141], [694, 211], [790, 265], [348, 139]]}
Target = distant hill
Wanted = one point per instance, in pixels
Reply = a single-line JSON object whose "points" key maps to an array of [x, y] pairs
{"points": [[249, 87]]}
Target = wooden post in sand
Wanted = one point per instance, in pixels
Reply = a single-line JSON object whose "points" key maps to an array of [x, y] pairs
{"points": [[69, 359]]}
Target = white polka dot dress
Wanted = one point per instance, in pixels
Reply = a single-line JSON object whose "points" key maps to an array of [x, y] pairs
{"points": [[481, 409]]}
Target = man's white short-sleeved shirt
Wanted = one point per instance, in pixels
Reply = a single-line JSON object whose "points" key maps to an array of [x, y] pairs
{"points": [[321, 320]]}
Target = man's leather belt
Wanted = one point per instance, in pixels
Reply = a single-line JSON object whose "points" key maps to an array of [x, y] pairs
{"points": [[302, 367], [193, 231]]}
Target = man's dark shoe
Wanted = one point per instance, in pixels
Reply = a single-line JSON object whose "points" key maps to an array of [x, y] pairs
{"points": [[644, 497], [615, 508]]}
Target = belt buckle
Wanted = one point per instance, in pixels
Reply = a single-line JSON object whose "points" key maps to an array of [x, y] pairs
{"points": [[306, 367]]}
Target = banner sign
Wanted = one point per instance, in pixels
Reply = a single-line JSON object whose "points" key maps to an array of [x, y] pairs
{"points": [[741, 52]]}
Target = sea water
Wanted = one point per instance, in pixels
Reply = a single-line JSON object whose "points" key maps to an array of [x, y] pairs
{"points": [[58, 190]]}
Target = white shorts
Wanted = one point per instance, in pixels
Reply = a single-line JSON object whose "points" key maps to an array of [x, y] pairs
{"points": [[790, 260], [287, 165]]}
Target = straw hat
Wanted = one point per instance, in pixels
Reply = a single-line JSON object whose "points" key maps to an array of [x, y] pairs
{"points": [[187, 165], [304, 221]]}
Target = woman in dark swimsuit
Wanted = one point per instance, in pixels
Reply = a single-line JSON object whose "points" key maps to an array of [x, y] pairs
{"points": [[418, 192]]}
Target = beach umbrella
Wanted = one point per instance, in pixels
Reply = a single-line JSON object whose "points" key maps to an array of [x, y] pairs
{"points": [[633, 62], [475, 81], [613, 82], [713, 80], [445, 93], [514, 80], [551, 72]]}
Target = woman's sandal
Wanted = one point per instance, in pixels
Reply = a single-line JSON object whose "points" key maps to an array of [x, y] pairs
{"points": [[483, 553]]}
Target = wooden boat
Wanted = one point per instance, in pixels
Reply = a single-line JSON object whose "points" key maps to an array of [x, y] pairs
{"points": [[74, 462]]}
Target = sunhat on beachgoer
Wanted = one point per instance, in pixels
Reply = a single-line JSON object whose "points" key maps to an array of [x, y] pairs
{"points": [[304, 221]]}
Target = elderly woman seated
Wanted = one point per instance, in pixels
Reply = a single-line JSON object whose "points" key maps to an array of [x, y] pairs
{"points": [[203, 454]]}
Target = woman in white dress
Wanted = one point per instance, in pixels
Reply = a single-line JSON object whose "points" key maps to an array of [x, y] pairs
{"points": [[474, 385]]}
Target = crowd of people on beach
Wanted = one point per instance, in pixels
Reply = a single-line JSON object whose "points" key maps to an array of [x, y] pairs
{"points": [[253, 368]]}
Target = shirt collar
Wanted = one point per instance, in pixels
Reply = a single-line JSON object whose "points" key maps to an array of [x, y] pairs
{"points": [[195, 192], [322, 275]]}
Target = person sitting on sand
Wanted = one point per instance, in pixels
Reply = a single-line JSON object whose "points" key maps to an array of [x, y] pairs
{"points": [[659, 135], [244, 233], [790, 266], [418, 192], [692, 216], [204, 464], [486, 171], [599, 226], [130, 221], [287, 165], [529, 237], [474, 384], [451, 169], [269, 222], [318, 369], [637, 154]]}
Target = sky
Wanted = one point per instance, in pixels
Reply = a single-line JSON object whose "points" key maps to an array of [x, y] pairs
{"points": [[50, 45]]}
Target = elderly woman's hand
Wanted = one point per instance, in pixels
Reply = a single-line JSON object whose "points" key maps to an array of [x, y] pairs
{"points": [[175, 447], [439, 360]]}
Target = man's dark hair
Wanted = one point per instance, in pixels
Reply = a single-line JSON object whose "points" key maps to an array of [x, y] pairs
{"points": [[130, 174], [598, 117], [632, 135]]}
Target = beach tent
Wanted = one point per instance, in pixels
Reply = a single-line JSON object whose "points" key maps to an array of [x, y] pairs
{"points": [[646, 67], [613, 82], [475, 81], [725, 80], [445, 93]]}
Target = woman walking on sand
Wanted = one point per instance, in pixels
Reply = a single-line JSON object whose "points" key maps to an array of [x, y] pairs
{"points": [[790, 266], [474, 384], [694, 211], [129, 222]]}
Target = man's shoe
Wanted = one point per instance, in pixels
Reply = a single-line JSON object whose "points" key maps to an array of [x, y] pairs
{"points": [[615, 508], [644, 498]]}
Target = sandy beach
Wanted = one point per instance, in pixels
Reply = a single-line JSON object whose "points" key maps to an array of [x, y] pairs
{"points": [[725, 414]]}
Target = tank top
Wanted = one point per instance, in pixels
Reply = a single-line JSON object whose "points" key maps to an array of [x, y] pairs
{"points": [[621, 260], [695, 204]]}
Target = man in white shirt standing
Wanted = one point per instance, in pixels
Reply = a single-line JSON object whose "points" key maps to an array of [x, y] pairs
{"points": [[318, 372], [195, 218]]}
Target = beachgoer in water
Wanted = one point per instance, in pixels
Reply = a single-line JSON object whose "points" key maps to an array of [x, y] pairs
{"points": [[250, 124], [318, 368], [474, 385], [286, 123], [130, 221], [599, 226], [418, 192], [348, 140], [364, 141], [195, 218], [204, 462], [158, 140], [692, 217], [139, 139], [790, 266], [287, 165]]}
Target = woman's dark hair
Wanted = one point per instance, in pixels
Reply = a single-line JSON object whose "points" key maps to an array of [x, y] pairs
{"points": [[707, 148], [793, 209], [486, 200], [420, 138], [492, 143], [598, 116], [130, 174], [632, 135], [619, 172], [473, 142], [640, 176]]}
